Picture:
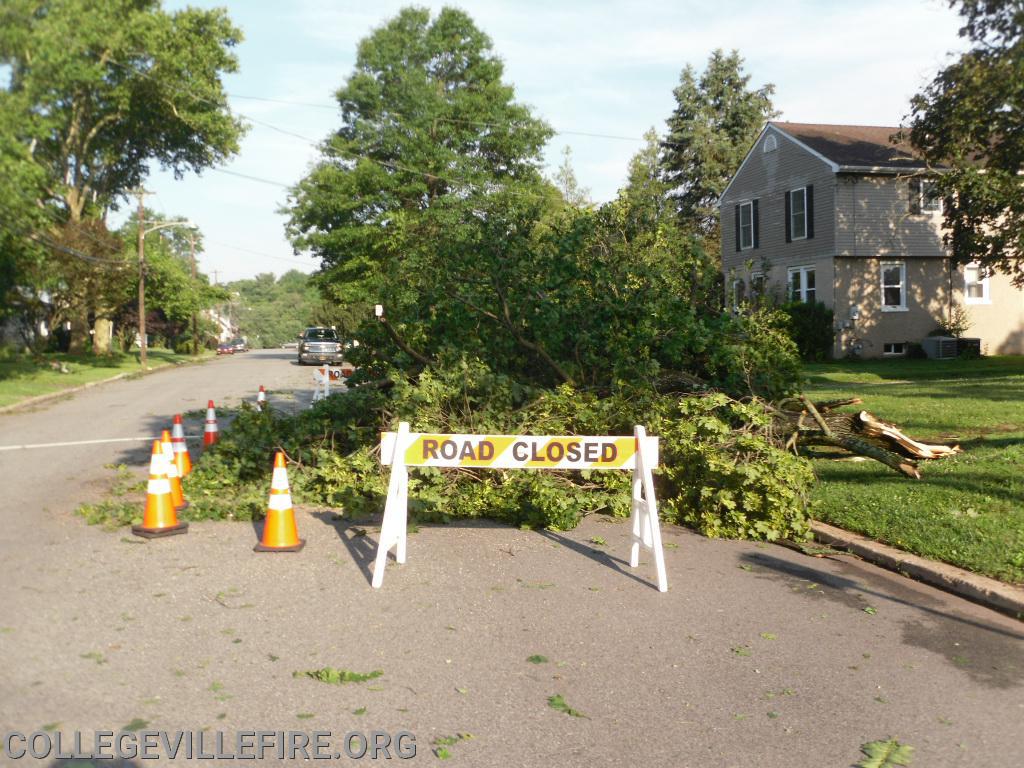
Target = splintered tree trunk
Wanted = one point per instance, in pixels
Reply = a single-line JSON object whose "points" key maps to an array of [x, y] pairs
{"points": [[860, 433]]}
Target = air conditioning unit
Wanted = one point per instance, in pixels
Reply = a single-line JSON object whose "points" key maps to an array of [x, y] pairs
{"points": [[949, 347]]}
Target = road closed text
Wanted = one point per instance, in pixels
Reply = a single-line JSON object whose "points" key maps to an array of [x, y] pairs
{"points": [[553, 451]]}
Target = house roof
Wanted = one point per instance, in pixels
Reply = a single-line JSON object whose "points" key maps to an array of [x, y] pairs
{"points": [[855, 147]]}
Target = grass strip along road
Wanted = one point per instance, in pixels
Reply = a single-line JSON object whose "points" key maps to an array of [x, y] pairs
{"points": [[967, 510], [26, 376]]}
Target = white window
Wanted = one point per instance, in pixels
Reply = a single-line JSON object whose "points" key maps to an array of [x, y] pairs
{"points": [[746, 226], [801, 284], [798, 214], [924, 196], [894, 348], [976, 285], [770, 144], [930, 200], [894, 286]]}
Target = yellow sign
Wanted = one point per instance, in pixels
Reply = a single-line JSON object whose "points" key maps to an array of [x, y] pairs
{"points": [[519, 451]]}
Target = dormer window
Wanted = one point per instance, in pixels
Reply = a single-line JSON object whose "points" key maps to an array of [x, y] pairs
{"points": [[770, 144]]}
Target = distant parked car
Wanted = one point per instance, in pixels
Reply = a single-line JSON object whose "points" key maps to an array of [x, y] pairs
{"points": [[239, 345], [225, 348], [290, 345], [320, 345]]}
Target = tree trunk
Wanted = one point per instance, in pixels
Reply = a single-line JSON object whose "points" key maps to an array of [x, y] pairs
{"points": [[103, 330]]}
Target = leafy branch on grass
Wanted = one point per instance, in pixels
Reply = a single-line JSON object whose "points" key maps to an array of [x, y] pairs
{"points": [[338, 676], [885, 754], [556, 702]]}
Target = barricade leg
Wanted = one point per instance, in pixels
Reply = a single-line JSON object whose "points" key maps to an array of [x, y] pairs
{"points": [[646, 528], [393, 526]]}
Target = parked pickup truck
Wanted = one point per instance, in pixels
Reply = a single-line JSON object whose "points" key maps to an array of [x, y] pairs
{"points": [[320, 345]]}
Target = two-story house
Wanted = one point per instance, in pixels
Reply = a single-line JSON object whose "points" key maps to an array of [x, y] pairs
{"points": [[840, 214]]}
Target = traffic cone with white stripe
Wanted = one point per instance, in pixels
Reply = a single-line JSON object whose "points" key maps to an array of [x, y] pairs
{"points": [[280, 533], [159, 518], [261, 399], [210, 432], [182, 460], [177, 494]]}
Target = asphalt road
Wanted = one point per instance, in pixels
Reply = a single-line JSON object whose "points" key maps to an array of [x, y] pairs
{"points": [[757, 655]]}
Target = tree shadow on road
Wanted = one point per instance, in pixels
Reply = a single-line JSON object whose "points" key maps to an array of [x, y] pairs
{"points": [[989, 654]]}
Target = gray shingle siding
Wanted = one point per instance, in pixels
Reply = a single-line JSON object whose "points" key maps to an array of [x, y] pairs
{"points": [[767, 177], [873, 219]]}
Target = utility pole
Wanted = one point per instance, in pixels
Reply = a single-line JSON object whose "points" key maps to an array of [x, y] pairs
{"points": [[142, 278], [195, 326]]}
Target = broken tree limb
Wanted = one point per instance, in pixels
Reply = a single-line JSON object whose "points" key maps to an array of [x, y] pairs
{"points": [[861, 433]]}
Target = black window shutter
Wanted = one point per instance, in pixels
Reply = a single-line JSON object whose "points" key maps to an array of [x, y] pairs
{"points": [[915, 195], [737, 227], [789, 231], [809, 211], [757, 227]]}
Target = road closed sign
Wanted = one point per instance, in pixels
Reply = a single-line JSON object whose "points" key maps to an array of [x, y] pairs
{"points": [[518, 451], [637, 453]]}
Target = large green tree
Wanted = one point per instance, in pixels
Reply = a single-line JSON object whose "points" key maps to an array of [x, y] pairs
{"points": [[271, 310], [99, 91], [430, 136], [969, 123], [716, 119]]}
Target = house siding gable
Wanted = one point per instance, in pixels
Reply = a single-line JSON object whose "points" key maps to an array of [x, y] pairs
{"points": [[767, 177]]}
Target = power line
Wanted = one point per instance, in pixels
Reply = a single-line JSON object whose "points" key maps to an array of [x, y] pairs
{"points": [[252, 178], [484, 123], [259, 253]]}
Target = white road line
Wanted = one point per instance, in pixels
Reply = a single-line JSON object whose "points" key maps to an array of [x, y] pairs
{"points": [[84, 442]]}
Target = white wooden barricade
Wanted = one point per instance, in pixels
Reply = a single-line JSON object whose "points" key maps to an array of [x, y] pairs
{"points": [[322, 378], [638, 452]]}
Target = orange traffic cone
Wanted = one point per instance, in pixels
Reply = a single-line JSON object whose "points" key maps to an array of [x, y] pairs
{"points": [[280, 533], [177, 494], [182, 460], [210, 432], [159, 519], [261, 399]]}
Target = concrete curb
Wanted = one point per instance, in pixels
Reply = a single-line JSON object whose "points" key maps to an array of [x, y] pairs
{"points": [[39, 399], [981, 589]]}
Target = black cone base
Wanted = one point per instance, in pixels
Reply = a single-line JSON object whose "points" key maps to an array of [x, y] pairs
{"points": [[157, 533], [261, 548]]}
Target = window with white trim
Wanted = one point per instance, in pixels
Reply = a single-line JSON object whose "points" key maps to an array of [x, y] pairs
{"points": [[894, 348], [798, 214], [931, 202], [746, 226], [976, 288], [894, 286], [770, 144], [925, 196], [801, 285]]}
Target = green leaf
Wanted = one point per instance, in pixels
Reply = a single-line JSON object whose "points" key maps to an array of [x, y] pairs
{"points": [[537, 659], [556, 702], [338, 676], [885, 754]]}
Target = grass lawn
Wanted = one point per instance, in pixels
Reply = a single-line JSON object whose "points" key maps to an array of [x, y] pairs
{"points": [[967, 510], [22, 377]]}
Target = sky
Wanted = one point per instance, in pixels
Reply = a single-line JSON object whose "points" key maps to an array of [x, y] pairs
{"points": [[604, 67]]}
